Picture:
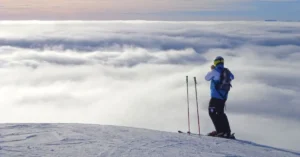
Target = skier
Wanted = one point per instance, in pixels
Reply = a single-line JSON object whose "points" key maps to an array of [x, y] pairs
{"points": [[220, 78]]}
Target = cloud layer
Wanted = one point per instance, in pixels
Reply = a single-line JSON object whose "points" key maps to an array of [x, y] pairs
{"points": [[133, 73]]}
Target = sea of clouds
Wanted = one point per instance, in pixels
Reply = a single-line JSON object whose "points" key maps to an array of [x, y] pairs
{"points": [[132, 73]]}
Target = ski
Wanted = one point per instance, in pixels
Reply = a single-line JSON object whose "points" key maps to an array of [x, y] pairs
{"points": [[189, 133], [181, 132], [232, 137]]}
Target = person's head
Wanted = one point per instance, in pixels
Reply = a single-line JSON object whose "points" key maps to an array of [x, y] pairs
{"points": [[219, 62]]}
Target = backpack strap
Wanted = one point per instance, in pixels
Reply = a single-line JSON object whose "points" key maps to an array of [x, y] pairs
{"points": [[223, 96]]}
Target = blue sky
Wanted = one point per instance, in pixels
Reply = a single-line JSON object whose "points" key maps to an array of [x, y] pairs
{"points": [[255, 10], [273, 10], [150, 10]]}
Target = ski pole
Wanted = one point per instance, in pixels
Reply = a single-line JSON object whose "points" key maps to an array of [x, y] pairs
{"points": [[188, 103], [197, 104]]}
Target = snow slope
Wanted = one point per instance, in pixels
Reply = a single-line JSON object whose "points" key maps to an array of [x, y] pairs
{"points": [[83, 140]]}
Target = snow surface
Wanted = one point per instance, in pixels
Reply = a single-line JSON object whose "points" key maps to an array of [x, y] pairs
{"points": [[87, 140]]}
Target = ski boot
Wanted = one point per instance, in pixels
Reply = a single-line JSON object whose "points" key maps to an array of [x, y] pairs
{"points": [[227, 135], [213, 133]]}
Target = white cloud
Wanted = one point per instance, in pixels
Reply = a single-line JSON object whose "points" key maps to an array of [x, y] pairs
{"points": [[133, 74]]}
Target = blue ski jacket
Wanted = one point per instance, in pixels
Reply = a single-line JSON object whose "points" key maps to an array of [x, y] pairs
{"points": [[214, 78]]}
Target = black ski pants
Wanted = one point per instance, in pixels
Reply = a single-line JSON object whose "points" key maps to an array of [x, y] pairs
{"points": [[218, 116]]}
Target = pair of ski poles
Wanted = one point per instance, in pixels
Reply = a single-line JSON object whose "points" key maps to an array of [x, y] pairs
{"points": [[188, 103]]}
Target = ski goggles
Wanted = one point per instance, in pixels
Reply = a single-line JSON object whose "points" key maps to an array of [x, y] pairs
{"points": [[216, 62]]}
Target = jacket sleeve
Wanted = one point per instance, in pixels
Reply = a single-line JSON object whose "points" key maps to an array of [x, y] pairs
{"points": [[209, 76]]}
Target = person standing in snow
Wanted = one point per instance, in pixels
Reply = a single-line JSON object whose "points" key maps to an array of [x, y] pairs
{"points": [[220, 78]]}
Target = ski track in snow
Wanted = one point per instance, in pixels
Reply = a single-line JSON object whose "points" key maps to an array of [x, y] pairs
{"points": [[79, 140]]}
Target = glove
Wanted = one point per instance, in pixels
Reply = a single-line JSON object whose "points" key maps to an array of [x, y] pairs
{"points": [[212, 67]]}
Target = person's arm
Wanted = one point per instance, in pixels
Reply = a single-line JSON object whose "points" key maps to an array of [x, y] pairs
{"points": [[210, 74]]}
